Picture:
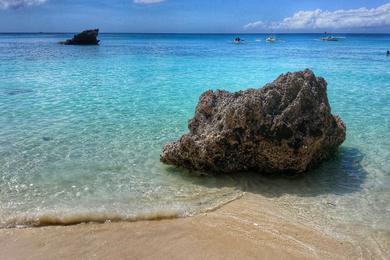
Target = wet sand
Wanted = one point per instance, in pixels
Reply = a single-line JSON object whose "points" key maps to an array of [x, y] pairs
{"points": [[247, 228]]}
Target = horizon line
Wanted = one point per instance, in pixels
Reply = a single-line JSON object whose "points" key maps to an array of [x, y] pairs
{"points": [[226, 33]]}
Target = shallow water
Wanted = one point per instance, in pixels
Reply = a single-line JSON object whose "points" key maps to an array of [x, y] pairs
{"points": [[81, 128]]}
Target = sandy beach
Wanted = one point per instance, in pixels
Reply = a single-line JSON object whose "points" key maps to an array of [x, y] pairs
{"points": [[247, 228]]}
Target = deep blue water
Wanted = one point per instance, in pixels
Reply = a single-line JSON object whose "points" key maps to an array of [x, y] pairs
{"points": [[81, 127]]}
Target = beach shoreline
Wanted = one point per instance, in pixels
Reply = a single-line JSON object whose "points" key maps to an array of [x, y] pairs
{"points": [[247, 228]]}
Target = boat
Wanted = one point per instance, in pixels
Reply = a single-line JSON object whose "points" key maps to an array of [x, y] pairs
{"points": [[271, 39], [237, 40], [329, 39]]}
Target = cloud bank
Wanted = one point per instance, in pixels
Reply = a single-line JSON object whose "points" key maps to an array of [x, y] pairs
{"points": [[339, 19], [5, 4], [147, 2]]}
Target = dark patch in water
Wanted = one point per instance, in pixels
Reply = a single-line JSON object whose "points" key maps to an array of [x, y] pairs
{"points": [[341, 175], [47, 138], [16, 91]]}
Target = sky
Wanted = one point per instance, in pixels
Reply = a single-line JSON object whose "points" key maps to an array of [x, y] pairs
{"points": [[196, 16]]}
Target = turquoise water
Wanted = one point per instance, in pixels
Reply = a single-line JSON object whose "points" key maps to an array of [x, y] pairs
{"points": [[81, 128]]}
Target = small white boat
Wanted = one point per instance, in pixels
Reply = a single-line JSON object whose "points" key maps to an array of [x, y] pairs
{"points": [[271, 39], [329, 39]]}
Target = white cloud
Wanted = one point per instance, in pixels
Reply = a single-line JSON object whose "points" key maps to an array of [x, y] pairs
{"points": [[339, 19], [147, 2], [258, 24], [5, 4]]}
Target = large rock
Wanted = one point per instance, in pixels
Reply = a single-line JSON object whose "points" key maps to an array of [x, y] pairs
{"points": [[88, 37], [286, 126]]}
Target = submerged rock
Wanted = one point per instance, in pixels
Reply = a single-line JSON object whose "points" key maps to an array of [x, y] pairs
{"points": [[88, 37], [286, 126], [16, 91]]}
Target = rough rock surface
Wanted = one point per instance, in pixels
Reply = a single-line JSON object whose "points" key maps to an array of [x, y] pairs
{"points": [[88, 37], [286, 126]]}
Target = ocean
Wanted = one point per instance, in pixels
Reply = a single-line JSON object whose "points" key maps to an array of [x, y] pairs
{"points": [[82, 127]]}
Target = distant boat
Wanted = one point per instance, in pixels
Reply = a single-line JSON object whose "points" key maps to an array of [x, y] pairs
{"points": [[237, 40], [329, 39], [271, 39]]}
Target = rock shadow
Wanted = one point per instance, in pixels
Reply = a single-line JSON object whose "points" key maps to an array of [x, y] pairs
{"points": [[341, 175]]}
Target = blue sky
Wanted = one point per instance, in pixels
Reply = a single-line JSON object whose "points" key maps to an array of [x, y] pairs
{"points": [[195, 16]]}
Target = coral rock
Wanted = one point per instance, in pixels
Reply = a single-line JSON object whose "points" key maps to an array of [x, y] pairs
{"points": [[286, 126], [88, 37]]}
